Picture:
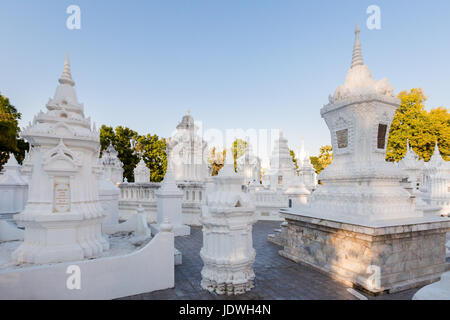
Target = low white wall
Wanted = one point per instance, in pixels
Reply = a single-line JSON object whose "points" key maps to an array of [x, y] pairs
{"points": [[148, 269]]}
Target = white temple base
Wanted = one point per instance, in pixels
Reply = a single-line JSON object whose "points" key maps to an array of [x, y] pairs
{"points": [[404, 253], [437, 291], [9, 232], [59, 238], [144, 270]]}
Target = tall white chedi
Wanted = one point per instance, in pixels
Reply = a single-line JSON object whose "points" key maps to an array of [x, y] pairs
{"points": [[113, 167], [359, 183], [63, 216], [169, 203], [227, 252], [13, 189], [282, 168], [188, 151], [141, 172]]}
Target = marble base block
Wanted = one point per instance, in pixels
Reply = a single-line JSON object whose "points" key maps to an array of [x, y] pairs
{"points": [[382, 257]]}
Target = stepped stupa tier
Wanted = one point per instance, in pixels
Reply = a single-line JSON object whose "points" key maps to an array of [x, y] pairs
{"points": [[188, 151], [63, 216]]}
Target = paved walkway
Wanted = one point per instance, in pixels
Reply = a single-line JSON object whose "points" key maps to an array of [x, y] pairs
{"points": [[276, 277]]}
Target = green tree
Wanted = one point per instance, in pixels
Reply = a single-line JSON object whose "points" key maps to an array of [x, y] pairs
{"points": [[216, 160], [154, 154], [440, 127], [238, 150], [10, 142], [152, 148], [412, 122], [120, 139], [323, 160]]}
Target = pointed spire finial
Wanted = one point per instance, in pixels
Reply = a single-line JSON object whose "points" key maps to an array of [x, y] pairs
{"points": [[357, 59], [188, 112], [66, 77]]}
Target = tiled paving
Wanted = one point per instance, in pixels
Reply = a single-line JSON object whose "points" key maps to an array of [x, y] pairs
{"points": [[277, 278]]}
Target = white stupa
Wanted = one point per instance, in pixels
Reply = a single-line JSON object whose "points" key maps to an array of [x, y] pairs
{"points": [[413, 167], [307, 173], [227, 253], [13, 189], [437, 185], [361, 225], [297, 193], [169, 203], [189, 151], [63, 215], [141, 172], [112, 165], [359, 116], [249, 166], [282, 167]]}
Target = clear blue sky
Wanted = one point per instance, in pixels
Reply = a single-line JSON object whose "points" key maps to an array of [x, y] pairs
{"points": [[235, 64]]}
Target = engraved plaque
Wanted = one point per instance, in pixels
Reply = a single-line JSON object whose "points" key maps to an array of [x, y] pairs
{"points": [[61, 197], [342, 138]]}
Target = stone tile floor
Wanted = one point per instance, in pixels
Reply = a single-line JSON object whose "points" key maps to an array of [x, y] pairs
{"points": [[277, 278]]}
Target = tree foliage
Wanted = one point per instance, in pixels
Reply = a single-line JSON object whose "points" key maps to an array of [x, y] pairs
{"points": [[152, 148], [216, 160], [155, 156], [9, 133], [412, 122], [238, 150], [323, 160]]}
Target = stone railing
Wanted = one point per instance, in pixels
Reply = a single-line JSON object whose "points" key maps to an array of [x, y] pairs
{"points": [[268, 203], [134, 194]]}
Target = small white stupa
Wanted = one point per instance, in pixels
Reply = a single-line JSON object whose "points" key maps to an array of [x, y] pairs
{"points": [[63, 216], [227, 253], [249, 165], [297, 194], [169, 203], [188, 152], [13, 189], [437, 187], [282, 167], [112, 165], [413, 167], [141, 173], [308, 174], [109, 194]]}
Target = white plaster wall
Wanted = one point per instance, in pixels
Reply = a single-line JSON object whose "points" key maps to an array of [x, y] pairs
{"points": [[148, 269]]}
